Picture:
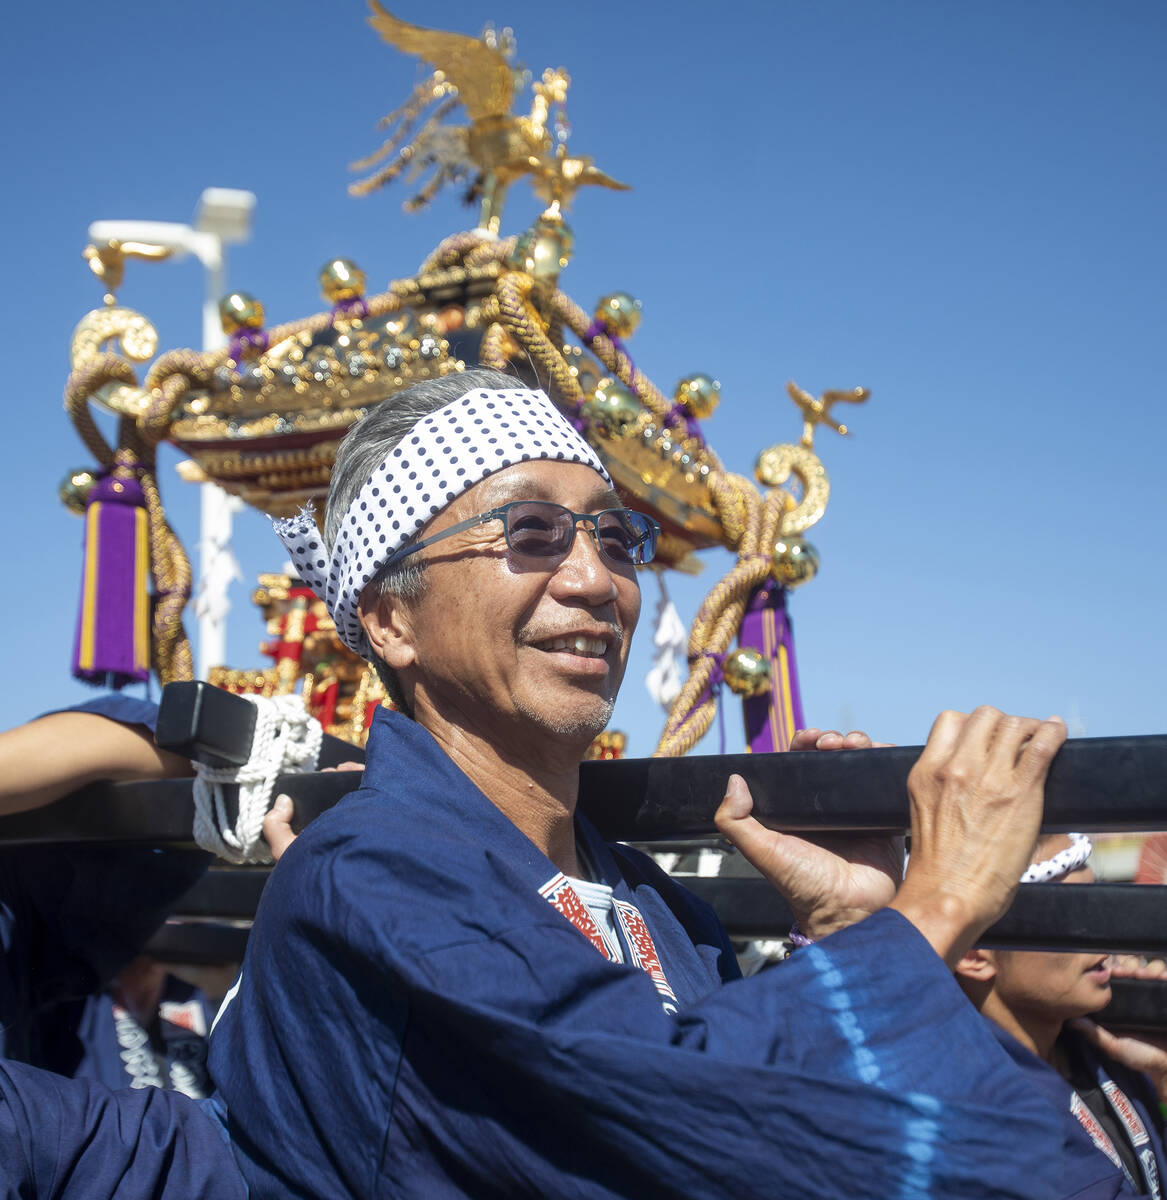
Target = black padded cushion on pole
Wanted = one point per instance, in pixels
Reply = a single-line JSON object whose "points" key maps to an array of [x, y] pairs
{"points": [[215, 727]]}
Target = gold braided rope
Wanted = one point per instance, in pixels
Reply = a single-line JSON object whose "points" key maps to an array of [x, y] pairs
{"points": [[615, 360], [169, 565], [455, 251], [521, 318], [488, 252], [718, 621], [81, 384], [172, 584], [492, 349]]}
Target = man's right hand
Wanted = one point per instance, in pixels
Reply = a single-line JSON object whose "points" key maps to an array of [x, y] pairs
{"points": [[977, 794]]}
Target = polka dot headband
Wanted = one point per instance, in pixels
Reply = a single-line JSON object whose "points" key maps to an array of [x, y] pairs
{"points": [[436, 461], [1062, 863]]}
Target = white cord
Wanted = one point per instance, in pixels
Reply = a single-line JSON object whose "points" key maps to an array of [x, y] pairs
{"points": [[287, 740]]}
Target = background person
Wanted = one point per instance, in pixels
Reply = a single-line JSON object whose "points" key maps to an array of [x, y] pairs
{"points": [[1114, 1132]]}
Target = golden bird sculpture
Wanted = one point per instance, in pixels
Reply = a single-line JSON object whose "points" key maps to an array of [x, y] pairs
{"points": [[497, 147]]}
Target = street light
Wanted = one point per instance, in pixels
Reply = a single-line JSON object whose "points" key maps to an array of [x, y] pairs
{"points": [[223, 217]]}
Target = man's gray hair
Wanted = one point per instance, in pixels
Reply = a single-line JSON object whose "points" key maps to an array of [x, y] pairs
{"points": [[366, 446]]}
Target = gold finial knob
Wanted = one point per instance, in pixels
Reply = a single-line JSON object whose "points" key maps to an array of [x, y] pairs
{"points": [[544, 250], [613, 408], [340, 280], [239, 310], [794, 562], [747, 672], [74, 489], [619, 313], [699, 395]]}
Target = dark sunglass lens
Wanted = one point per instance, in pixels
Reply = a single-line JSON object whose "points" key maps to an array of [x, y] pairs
{"points": [[624, 535], [538, 529]]}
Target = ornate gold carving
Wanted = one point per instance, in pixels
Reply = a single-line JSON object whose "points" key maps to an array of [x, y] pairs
{"points": [[818, 412], [137, 339], [496, 147], [775, 467], [108, 260]]}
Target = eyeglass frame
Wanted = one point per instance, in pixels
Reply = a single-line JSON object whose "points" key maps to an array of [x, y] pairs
{"points": [[499, 514]]}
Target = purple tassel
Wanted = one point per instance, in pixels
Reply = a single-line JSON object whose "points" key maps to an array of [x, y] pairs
{"points": [[772, 719], [112, 647]]}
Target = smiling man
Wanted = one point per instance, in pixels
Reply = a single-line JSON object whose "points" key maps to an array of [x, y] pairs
{"points": [[454, 987]]}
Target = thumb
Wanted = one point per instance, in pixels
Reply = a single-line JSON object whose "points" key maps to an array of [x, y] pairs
{"points": [[277, 826], [738, 803], [763, 848]]}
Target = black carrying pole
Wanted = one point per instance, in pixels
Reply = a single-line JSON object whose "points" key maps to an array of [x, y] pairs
{"points": [[1102, 784]]}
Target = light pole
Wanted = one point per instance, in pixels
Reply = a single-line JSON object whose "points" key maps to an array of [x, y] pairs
{"points": [[223, 217]]}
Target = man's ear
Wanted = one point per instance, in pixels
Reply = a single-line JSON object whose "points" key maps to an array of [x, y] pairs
{"points": [[978, 965], [388, 625]]}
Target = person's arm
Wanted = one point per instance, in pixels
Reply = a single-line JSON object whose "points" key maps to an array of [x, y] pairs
{"points": [[58, 753], [976, 794], [70, 1139]]}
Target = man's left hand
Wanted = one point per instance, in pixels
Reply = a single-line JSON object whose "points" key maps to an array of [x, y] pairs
{"points": [[829, 882]]}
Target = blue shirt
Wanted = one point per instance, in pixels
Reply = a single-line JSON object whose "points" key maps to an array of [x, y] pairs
{"points": [[414, 1019]]}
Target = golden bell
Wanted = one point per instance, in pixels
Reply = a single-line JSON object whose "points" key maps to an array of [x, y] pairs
{"points": [[544, 250], [74, 489], [795, 562], [340, 280], [613, 407], [698, 395], [619, 313], [240, 311], [747, 672]]}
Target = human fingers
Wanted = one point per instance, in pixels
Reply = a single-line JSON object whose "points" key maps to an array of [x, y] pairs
{"points": [[830, 739], [857, 739], [943, 736], [1039, 751], [979, 743], [347, 766], [1124, 966], [277, 826], [1141, 1052], [804, 739]]}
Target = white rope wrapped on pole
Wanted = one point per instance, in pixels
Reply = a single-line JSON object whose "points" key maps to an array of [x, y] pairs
{"points": [[286, 741]]}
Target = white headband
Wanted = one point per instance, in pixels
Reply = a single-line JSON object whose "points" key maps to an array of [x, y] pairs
{"points": [[436, 461], [1062, 863]]}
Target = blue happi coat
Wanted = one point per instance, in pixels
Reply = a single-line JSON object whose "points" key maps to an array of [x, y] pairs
{"points": [[1089, 1172], [414, 1019]]}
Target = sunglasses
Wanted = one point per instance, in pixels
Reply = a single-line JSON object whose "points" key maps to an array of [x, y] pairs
{"points": [[540, 529]]}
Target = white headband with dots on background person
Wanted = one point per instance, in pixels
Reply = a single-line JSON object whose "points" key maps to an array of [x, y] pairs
{"points": [[1062, 863], [440, 457]]}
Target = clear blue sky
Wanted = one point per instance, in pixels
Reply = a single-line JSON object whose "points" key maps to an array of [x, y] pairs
{"points": [[958, 206]]}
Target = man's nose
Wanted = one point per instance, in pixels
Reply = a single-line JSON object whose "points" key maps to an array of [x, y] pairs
{"points": [[585, 570]]}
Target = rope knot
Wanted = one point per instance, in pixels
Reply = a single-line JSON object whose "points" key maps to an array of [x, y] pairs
{"points": [[286, 740]]}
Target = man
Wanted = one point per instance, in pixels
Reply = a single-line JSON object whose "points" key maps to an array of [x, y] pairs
{"points": [[454, 988], [1112, 1122]]}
